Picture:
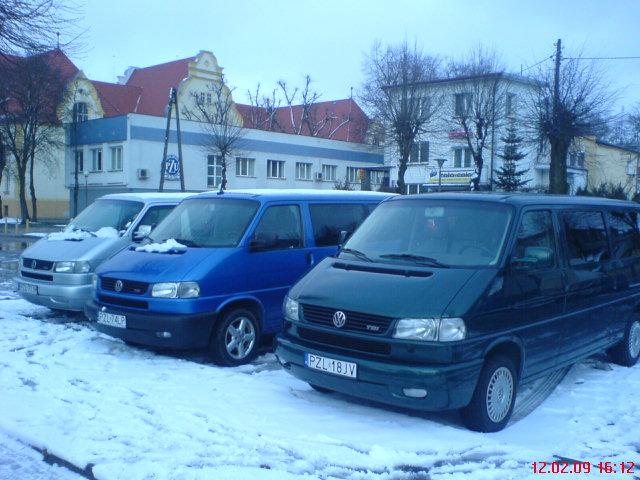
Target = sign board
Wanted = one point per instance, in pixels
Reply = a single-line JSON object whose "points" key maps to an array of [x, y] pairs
{"points": [[172, 168], [451, 176]]}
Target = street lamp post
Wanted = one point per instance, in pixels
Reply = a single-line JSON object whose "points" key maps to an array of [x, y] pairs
{"points": [[440, 163], [86, 189]]}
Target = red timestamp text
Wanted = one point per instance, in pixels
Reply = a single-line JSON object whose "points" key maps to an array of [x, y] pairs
{"points": [[577, 468]]}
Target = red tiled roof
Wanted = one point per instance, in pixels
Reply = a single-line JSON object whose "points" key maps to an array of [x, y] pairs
{"points": [[336, 119], [117, 99], [155, 82]]}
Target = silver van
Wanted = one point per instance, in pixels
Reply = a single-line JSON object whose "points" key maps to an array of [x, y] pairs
{"points": [[56, 271]]}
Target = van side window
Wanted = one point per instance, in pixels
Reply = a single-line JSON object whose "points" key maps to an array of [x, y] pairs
{"points": [[329, 220], [155, 215], [280, 227], [624, 233], [586, 237], [535, 247]]}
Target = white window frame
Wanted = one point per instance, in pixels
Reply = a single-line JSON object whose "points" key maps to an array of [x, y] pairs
{"points": [[353, 175], [467, 99], [80, 114], [464, 153], [303, 171], [332, 170], [245, 167], [215, 179], [510, 104], [116, 162], [79, 153], [96, 158], [275, 167]]}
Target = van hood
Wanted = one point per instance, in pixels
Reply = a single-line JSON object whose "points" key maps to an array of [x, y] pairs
{"points": [[186, 265], [90, 248], [398, 291]]}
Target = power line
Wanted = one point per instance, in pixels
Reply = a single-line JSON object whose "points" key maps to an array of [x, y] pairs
{"points": [[601, 58], [522, 70]]}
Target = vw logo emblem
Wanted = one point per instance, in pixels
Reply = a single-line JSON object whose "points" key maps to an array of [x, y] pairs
{"points": [[118, 286], [339, 319], [34, 264]]}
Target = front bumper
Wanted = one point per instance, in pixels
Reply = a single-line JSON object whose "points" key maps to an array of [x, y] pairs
{"points": [[57, 296], [144, 328], [448, 386]]}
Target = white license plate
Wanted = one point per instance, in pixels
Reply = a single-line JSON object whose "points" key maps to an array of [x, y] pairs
{"points": [[331, 365], [113, 320], [26, 288]]}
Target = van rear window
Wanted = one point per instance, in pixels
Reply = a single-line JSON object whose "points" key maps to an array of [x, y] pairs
{"points": [[623, 230]]}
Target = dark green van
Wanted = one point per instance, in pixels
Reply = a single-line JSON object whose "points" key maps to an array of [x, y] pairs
{"points": [[449, 301]]}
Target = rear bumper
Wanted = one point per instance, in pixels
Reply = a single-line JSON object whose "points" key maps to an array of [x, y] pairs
{"points": [[52, 295], [448, 386], [154, 329]]}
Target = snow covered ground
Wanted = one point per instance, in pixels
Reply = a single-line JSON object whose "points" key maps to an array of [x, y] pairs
{"points": [[130, 413]]}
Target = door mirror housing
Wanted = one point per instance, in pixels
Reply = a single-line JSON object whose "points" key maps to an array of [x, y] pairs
{"points": [[142, 232], [344, 235]]}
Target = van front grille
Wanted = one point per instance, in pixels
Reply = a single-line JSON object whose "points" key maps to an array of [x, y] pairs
{"points": [[128, 286], [355, 322], [34, 264], [37, 276], [342, 341], [123, 302]]}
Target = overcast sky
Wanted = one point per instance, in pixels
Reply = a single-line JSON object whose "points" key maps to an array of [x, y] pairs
{"points": [[263, 41]]}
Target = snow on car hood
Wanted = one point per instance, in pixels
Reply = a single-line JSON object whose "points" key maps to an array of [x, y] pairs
{"points": [[168, 246], [75, 235], [88, 248]]}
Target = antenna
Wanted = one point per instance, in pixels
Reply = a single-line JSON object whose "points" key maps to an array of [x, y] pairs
{"points": [[58, 40]]}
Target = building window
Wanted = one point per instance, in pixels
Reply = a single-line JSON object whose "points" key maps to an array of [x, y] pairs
{"points": [[80, 161], [414, 188], [510, 105], [214, 171], [303, 171], [208, 99], [376, 177], [462, 104], [80, 112], [96, 159], [7, 184], [329, 173], [245, 167], [419, 152], [353, 175], [462, 157], [275, 169], [116, 158], [576, 159]]}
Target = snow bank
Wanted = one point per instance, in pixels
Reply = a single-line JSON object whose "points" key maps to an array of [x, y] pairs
{"points": [[167, 246], [89, 398]]}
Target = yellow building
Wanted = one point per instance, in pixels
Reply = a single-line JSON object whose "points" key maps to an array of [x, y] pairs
{"points": [[606, 163]]}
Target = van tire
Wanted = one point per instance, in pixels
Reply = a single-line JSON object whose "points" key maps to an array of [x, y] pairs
{"points": [[239, 325], [499, 371], [627, 352]]}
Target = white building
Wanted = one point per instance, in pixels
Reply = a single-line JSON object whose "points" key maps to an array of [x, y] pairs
{"points": [[448, 139]]}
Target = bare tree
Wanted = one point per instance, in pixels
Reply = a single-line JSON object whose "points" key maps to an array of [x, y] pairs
{"points": [[476, 104], [35, 25], [263, 115], [561, 111], [217, 112], [32, 89], [3, 165], [393, 94]]}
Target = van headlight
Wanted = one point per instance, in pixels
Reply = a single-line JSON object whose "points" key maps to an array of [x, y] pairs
{"points": [[72, 267], [431, 329], [291, 310], [175, 290]]}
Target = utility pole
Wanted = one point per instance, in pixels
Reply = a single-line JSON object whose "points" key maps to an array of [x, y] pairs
{"points": [[556, 177], [173, 101]]}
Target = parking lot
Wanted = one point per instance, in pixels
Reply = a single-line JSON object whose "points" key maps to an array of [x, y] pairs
{"points": [[117, 411]]}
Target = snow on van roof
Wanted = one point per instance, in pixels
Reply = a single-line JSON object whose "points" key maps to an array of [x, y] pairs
{"points": [[297, 192], [149, 196]]}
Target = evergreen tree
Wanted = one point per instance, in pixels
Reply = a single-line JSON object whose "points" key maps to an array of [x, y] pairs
{"points": [[509, 178]]}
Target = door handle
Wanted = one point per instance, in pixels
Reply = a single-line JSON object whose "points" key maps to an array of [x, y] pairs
{"points": [[310, 258], [533, 303]]}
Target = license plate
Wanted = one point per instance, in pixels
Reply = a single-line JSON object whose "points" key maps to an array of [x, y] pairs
{"points": [[27, 288], [331, 365], [113, 320]]}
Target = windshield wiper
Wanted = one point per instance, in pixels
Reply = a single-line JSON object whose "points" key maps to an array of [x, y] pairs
{"points": [[187, 243], [416, 258], [356, 253]]}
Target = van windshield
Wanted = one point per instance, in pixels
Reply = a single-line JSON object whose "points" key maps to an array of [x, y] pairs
{"points": [[437, 233], [116, 214], [207, 222]]}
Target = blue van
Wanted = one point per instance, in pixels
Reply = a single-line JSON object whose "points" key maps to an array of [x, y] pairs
{"points": [[215, 271]]}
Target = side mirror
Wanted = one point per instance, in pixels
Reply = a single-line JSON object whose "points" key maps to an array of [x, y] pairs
{"points": [[534, 257], [141, 232], [344, 235]]}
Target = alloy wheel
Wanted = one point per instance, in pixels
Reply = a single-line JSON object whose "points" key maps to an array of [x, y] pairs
{"points": [[240, 338]]}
